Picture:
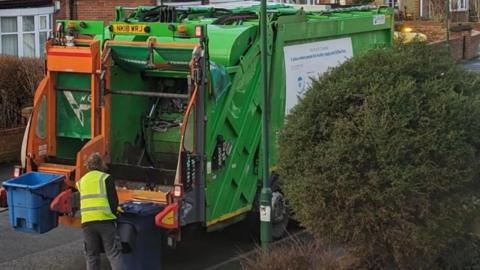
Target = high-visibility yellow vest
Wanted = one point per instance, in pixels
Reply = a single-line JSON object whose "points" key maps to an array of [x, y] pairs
{"points": [[94, 204]]}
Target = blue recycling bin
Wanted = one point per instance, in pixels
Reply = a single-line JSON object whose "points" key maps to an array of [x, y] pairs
{"points": [[141, 238], [29, 197]]}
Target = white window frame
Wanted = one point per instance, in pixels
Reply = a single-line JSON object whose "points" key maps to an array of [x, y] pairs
{"points": [[36, 13], [455, 4], [392, 3]]}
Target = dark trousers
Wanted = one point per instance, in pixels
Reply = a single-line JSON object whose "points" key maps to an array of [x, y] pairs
{"points": [[98, 235]]}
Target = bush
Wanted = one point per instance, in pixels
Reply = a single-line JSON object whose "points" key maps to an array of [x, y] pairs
{"points": [[19, 78], [362, 2], [461, 253], [382, 154], [298, 254]]}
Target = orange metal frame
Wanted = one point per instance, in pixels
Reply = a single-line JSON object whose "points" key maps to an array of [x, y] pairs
{"points": [[152, 42], [85, 58], [39, 147], [100, 116]]}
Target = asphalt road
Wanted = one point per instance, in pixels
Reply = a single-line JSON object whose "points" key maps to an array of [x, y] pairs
{"points": [[472, 65], [62, 248]]}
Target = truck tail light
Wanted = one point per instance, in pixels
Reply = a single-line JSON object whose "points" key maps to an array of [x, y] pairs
{"points": [[178, 191], [17, 171], [168, 218], [198, 31]]}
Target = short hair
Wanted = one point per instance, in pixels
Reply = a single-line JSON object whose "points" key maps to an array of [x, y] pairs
{"points": [[95, 163]]}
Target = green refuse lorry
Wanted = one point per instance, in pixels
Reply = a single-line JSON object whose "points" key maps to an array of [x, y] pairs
{"points": [[171, 97]]}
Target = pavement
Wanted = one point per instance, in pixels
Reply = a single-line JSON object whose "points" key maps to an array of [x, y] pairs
{"points": [[62, 248], [472, 65]]}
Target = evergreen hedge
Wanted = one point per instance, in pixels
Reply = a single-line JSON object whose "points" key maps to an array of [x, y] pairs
{"points": [[382, 154]]}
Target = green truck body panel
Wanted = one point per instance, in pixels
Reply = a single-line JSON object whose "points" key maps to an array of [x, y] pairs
{"points": [[228, 43], [238, 119], [233, 96]]}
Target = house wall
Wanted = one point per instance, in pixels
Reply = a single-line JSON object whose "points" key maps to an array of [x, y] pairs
{"points": [[327, 2], [459, 16], [410, 6], [96, 10], [433, 11], [5, 4], [62, 13]]}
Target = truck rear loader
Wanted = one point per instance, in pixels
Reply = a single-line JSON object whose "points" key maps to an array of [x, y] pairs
{"points": [[171, 98]]}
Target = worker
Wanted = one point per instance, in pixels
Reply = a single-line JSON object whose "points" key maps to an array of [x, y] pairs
{"points": [[98, 208]]}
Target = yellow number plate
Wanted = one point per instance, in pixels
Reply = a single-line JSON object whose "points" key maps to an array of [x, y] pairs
{"points": [[129, 28]]}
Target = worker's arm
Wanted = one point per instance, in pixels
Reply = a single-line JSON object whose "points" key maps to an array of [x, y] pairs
{"points": [[112, 194]]}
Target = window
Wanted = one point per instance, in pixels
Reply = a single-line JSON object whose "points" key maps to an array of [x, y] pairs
{"points": [[23, 32], [28, 36], [458, 5], [8, 26], [391, 3], [41, 127]]}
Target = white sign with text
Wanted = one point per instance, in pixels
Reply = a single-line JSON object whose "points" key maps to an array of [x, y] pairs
{"points": [[309, 60]]}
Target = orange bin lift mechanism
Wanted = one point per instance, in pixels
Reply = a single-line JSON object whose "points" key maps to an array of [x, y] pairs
{"points": [[80, 59], [83, 58], [66, 170], [125, 195]]}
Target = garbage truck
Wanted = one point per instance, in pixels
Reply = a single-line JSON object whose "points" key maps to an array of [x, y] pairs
{"points": [[171, 98]]}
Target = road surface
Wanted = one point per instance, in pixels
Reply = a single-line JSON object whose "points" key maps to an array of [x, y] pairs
{"points": [[62, 248], [472, 65]]}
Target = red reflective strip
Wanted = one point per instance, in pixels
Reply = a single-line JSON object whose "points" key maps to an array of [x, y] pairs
{"points": [[71, 54], [172, 208]]}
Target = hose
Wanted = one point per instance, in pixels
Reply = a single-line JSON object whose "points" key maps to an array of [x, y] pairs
{"points": [[164, 14], [231, 18]]}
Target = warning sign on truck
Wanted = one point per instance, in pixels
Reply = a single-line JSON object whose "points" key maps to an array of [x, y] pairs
{"points": [[309, 60]]}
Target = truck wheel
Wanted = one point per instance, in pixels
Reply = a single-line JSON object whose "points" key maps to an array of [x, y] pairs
{"points": [[280, 215]]}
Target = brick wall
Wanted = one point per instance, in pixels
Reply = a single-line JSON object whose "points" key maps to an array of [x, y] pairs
{"points": [[459, 16], [463, 46], [97, 9], [473, 43], [62, 13], [10, 144]]}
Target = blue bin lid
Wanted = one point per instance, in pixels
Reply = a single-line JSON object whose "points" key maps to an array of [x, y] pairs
{"points": [[33, 180], [142, 208]]}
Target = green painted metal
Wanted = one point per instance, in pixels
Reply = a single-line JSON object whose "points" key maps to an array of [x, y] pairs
{"points": [[127, 114], [73, 105], [266, 192], [228, 43], [233, 98], [163, 143], [238, 118], [73, 113]]}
